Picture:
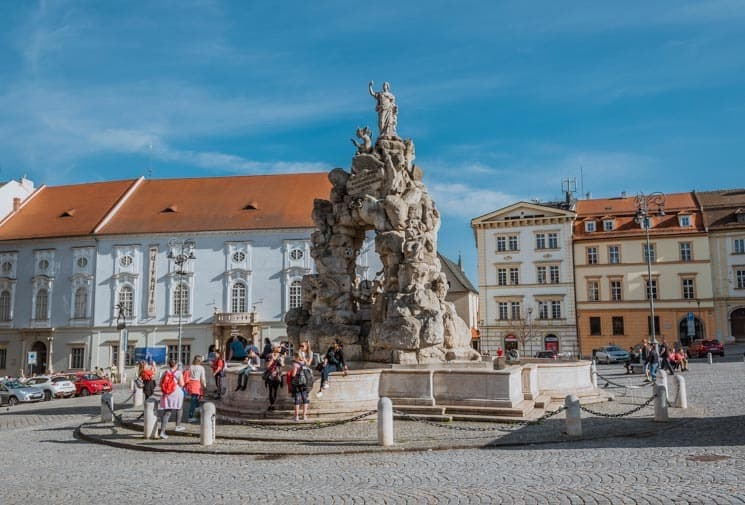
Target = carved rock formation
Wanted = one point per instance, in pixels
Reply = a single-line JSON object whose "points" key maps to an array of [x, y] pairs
{"points": [[402, 316]]}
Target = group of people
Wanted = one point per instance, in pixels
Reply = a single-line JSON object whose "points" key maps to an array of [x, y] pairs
{"points": [[177, 384], [665, 357]]}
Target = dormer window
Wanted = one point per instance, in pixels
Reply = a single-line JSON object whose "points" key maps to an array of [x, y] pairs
{"points": [[68, 213], [589, 226], [170, 209], [740, 215], [684, 220], [608, 224], [645, 223]]}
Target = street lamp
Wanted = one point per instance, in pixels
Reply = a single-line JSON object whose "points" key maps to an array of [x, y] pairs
{"points": [[646, 207], [180, 251], [121, 325]]}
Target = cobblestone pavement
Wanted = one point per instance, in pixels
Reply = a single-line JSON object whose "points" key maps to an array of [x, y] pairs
{"points": [[701, 460]]}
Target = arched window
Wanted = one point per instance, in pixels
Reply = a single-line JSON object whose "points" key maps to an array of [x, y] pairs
{"points": [[181, 300], [81, 303], [238, 298], [296, 294], [126, 300], [42, 305], [5, 306]]}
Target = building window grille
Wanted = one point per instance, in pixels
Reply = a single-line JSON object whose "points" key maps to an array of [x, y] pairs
{"points": [[614, 255], [592, 255], [181, 301], [685, 251], [238, 297], [42, 305], [553, 241], [593, 291], [77, 358], [595, 328], [5, 307], [296, 294], [81, 303], [688, 289]]}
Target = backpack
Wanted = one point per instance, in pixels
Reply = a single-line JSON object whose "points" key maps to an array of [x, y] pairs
{"points": [[271, 374], [168, 383], [303, 379]]}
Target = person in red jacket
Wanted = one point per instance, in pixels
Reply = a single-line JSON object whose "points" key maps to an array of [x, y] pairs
{"points": [[218, 372]]}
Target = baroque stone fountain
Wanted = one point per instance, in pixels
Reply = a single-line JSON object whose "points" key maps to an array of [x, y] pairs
{"points": [[407, 343], [401, 317]]}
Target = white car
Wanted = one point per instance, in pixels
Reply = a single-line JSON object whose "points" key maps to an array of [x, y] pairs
{"points": [[53, 387]]}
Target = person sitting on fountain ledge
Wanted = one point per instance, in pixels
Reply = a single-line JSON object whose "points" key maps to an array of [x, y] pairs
{"points": [[252, 363], [333, 361]]}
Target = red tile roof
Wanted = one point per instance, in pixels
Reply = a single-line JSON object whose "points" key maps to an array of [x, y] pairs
{"points": [[623, 212], [170, 205], [256, 202], [64, 211]]}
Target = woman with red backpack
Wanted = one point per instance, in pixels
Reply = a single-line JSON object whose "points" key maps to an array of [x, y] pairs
{"points": [[218, 372], [172, 397], [147, 376], [273, 374]]}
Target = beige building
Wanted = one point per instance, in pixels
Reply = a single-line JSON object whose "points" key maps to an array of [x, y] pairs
{"points": [[526, 286], [724, 219], [611, 273]]}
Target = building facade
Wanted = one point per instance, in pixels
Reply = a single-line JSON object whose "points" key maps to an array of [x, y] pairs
{"points": [[463, 295], [724, 219], [526, 285], [613, 285], [90, 273]]}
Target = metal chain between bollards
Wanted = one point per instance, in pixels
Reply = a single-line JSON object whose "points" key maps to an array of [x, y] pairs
{"points": [[316, 426], [513, 426], [622, 414], [625, 386]]}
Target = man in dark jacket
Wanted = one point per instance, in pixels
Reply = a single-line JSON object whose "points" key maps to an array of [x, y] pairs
{"points": [[332, 362]]}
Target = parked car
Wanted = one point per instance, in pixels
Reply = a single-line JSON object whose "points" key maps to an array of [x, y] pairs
{"points": [[700, 348], [13, 392], [611, 354], [547, 354], [53, 387], [87, 383]]}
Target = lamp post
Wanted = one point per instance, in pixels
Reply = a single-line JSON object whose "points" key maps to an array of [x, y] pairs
{"points": [[648, 206], [530, 328], [180, 251], [121, 325]]}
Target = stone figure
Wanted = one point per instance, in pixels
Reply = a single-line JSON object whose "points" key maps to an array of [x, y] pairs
{"points": [[365, 135], [402, 316], [387, 110]]}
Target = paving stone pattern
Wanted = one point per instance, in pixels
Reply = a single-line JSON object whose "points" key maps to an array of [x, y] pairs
{"points": [[700, 459]]}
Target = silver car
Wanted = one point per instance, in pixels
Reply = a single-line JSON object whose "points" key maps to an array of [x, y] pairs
{"points": [[611, 354], [13, 392], [53, 387]]}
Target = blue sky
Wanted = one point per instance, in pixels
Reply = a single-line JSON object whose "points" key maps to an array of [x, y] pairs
{"points": [[503, 99]]}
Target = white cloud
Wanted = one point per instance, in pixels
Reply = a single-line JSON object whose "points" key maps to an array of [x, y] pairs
{"points": [[467, 201]]}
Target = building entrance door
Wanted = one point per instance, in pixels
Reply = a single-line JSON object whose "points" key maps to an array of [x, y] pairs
{"points": [[40, 348], [737, 324], [551, 343]]}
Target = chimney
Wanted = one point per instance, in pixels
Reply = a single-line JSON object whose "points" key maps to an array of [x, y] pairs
{"points": [[588, 195], [16, 203], [623, 194]]}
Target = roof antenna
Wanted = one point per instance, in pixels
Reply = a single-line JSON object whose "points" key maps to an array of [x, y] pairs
{"points": [[150, 162]]}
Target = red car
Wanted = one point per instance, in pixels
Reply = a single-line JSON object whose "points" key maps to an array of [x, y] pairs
{"points": [[87, 383], [700, 348]]}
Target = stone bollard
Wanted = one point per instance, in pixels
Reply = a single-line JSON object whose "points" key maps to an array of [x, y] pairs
{"points": [[150, 424], [207, 424], [594, 374], [139, 397], [574, 416], [385, 422], [500, 363], [681, 401], [709, 358], [107, 408], [660, 404]]}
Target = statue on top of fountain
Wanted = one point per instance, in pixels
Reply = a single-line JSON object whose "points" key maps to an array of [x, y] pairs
{"points": [[403, 316]]}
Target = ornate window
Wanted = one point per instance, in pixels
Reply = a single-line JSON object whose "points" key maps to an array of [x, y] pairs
{"points": [[126, 261], [239, 257], [238, 297], [81, 303], [181, 299], [126, 300], [296, 254], [296, 294], [42, 305], [82, 262], [5, 305], [7, 267]]}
